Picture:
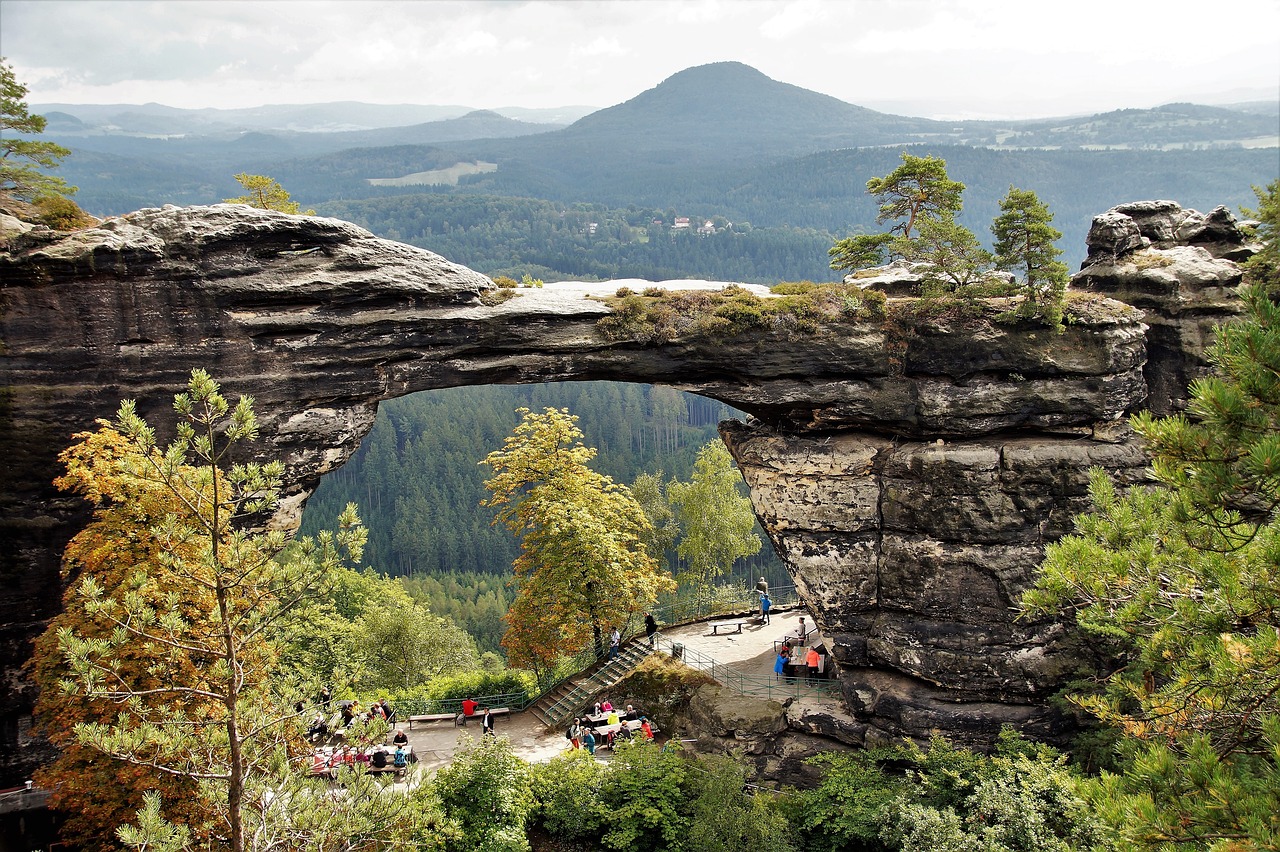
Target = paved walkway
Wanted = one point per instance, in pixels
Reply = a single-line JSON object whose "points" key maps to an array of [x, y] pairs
{"points": [[750, 651]]}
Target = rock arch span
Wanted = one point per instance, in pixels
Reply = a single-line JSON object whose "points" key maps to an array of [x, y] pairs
{"points": [[909, 480]]}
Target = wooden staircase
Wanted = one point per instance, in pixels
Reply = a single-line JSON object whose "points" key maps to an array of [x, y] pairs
{"points": [[572, 695]]}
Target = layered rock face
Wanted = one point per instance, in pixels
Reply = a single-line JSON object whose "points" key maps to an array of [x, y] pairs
{"points": [[909, 478], [1179, 266]]}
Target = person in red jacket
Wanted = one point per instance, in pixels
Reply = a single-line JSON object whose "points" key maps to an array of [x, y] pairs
{"points": [[469, 707]]}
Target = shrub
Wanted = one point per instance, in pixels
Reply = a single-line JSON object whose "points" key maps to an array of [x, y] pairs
{"points": [[60, 213], [622, 292], [490, 298], [485, 792], [642, 795], [566, 792], [722, 818], [504, 281]]}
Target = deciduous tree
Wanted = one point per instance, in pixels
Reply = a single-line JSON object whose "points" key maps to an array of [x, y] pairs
{"points": [[197, 612], [582, 565], [716, 520]]}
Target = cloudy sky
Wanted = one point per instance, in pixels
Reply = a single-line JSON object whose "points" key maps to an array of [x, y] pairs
{"points": [[941, 58]]}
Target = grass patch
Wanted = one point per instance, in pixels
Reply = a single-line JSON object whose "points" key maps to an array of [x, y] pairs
{"points": [[661, 316]]}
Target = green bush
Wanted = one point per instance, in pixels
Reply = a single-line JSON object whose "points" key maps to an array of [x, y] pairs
{"points": [[485, 793], [469, 685], [60, 213], [643, 794], [722, 818], [566, 791]]}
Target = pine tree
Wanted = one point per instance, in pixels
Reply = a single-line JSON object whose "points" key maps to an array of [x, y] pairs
{"points": [[23, 179], [267, 194], [1183, 583], [1025, 238]]}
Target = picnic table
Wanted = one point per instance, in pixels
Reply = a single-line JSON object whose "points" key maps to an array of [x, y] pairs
{"points": [[326, 760]]}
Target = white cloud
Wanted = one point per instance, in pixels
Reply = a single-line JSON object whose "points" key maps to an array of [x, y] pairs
{"points": [[959, 56]]}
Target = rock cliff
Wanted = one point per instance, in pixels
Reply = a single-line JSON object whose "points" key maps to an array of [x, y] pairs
{"points": [[910, 477]]}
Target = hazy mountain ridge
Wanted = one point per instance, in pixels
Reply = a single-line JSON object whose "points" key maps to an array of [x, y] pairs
{"points": [[717, 140]]}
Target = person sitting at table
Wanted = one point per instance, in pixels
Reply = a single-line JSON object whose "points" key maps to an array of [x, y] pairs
{"points": [[606, 706], [469, 706], [362, 756], [348, 713], [379, 759], [631, 715], [612, 718], [589, 741], [622, 732], [400, 738], [400, 758], [645, 728], [596, 711], [319, 728], [780, 664], [376, 712]]}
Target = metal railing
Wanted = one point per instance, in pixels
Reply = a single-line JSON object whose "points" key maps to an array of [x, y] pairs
{"points": [[755, 686], [425, 706], [674, 611]]}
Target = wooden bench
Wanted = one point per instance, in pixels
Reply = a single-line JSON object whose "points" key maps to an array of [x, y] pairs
{"points": [[726, 626], [431, 717]]}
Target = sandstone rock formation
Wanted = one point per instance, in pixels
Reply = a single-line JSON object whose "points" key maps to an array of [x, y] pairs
{"points": [[909, 475], [1177, 266]]}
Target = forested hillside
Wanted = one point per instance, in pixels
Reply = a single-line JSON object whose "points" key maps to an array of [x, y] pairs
{"points": [[418, 481]]}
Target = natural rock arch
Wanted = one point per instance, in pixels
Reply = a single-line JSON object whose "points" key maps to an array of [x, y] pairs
{"points": [[910, 480]]}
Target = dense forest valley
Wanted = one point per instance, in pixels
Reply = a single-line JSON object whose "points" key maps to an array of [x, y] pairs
{"points": [[418, 482]]}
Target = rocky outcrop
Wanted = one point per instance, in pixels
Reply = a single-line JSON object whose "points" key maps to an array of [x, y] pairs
{"points": [[910, 475], [1179, 266]]}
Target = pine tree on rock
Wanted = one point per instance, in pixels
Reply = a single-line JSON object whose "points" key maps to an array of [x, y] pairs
{"points": [[1025, 240]]}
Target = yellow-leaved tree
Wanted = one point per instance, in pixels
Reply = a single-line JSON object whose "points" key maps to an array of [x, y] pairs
{"points": [[583, 567]]}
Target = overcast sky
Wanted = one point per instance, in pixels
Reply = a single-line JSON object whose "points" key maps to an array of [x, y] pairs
{"points": [[939, 58]]}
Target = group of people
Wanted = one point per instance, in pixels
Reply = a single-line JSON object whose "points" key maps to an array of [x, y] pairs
{"points": [[322, 725], [811, 658], [582, 732], [326, 761]]}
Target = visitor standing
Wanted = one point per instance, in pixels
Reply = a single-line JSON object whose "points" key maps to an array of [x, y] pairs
{"points": [[486, 724], [615, 642], [812, 660], [650, 627], [765, 604]]}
